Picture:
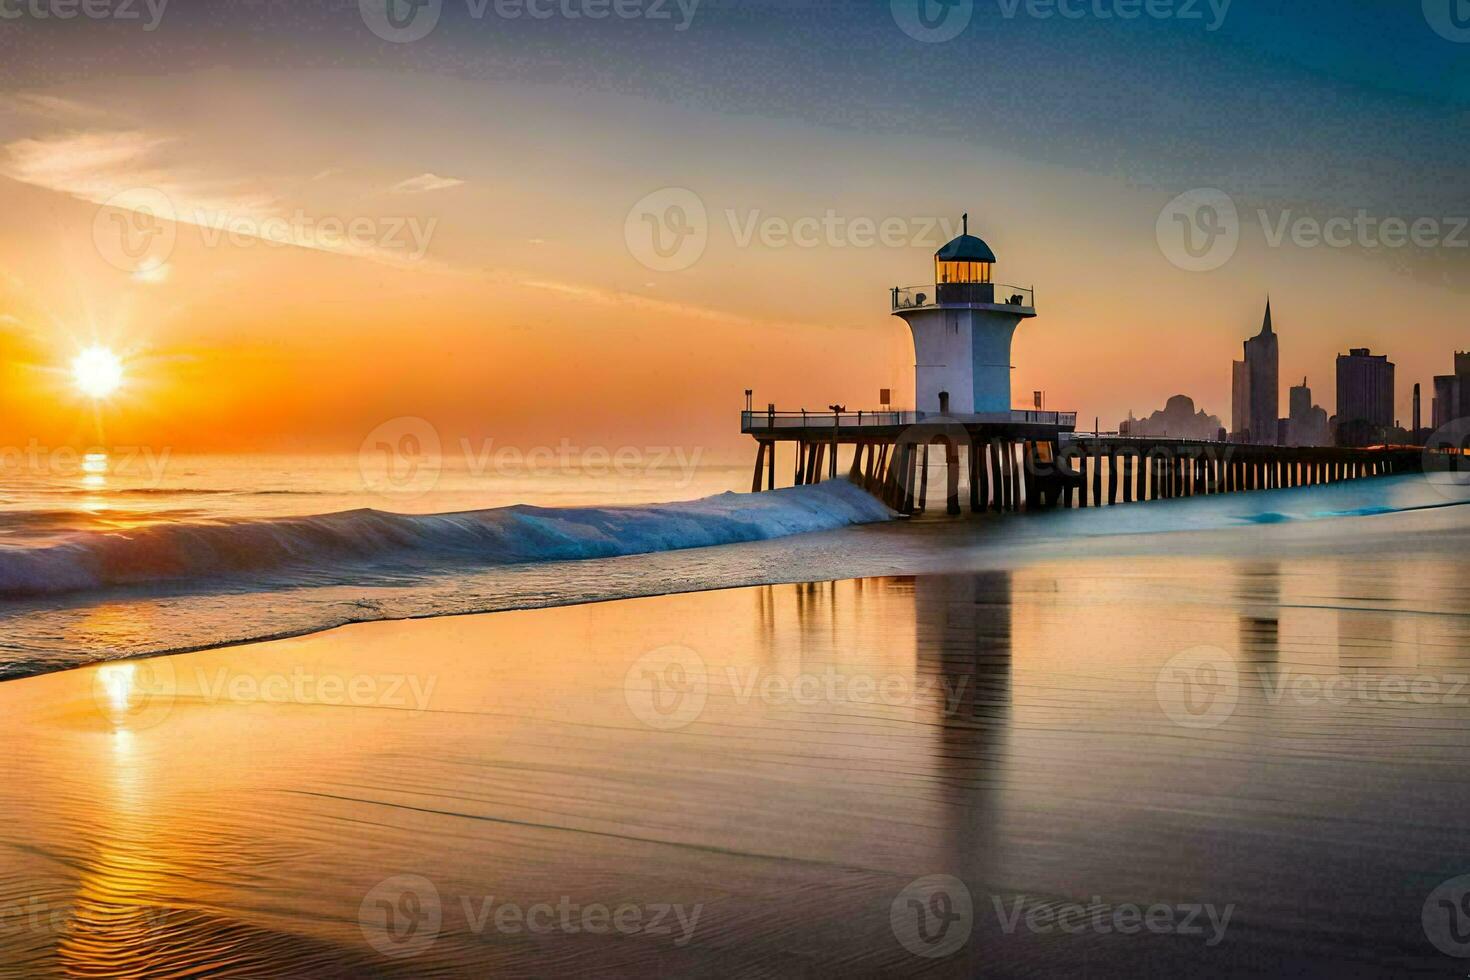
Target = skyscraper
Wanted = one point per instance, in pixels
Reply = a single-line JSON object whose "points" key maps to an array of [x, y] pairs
{"points": [[1364, 396], [1452, 393], [1255, 390], [1307, 425], [1240, 402]]}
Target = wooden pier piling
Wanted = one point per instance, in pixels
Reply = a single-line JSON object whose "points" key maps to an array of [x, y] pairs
{"points": [[1025, 465]]}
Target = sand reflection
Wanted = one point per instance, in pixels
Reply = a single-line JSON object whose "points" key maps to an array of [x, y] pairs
{"points": [[818, 749]]}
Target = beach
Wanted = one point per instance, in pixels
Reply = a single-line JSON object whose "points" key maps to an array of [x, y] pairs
{"points": [[734, 488], [1221, 756]]}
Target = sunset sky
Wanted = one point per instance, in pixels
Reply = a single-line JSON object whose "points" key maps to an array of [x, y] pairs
{"points": [[493, 285]]}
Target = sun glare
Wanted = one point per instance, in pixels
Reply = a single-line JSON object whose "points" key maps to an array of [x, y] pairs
{"points": [[97, 372]]}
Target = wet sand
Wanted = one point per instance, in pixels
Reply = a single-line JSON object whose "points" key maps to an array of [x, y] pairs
{"points": [[1224, 765]]}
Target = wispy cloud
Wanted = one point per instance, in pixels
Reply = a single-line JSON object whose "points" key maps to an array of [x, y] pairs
{"points": [[49, 106], [103, 166], [141, 171], [627, 300], [424, 183]]}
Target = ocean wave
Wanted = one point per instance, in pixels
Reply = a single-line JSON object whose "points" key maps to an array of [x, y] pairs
{"points": [[509, 535]]}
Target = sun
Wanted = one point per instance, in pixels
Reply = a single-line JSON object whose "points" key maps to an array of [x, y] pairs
{"points": [[97, 372]]}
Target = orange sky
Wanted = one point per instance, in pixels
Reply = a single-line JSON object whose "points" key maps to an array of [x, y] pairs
{"points": [[528, 319]]}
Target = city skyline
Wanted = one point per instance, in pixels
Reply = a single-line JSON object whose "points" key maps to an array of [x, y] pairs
{"points": [[1365, 390]]}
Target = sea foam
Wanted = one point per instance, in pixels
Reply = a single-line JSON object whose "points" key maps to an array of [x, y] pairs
{"points": [[209, 550]]}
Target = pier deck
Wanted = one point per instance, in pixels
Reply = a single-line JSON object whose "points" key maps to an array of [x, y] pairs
{"points": [[1026, 460]]}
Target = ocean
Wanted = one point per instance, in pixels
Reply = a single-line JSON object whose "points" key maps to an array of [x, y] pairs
{"points": [[129, 554]]}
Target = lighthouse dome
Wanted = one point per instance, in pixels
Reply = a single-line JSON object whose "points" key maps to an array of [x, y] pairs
{"points": [[966, 248], [966, 261]]}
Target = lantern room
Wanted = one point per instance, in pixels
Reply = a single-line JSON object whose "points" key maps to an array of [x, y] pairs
{"points": [[963, 269]]}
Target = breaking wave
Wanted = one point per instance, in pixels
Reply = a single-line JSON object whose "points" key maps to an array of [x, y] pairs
{"points": [[372, 538]]}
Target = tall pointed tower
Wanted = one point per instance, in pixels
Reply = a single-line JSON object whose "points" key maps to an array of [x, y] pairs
{"points": [[1262, 367], [962, 328]]}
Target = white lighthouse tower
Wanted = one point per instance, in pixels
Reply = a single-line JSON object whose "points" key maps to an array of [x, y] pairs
{"points": [[962, 329]]}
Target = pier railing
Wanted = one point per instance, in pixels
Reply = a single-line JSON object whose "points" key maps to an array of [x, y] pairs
{"points": [[984, 293], [765, 421]]}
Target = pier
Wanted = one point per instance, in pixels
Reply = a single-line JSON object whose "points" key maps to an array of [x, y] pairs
{"points": [[1024, 460]]}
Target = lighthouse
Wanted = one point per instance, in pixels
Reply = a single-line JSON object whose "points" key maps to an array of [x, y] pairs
{"points": [[962, 327]]}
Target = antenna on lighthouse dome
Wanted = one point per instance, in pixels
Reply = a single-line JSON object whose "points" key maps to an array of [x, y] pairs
{"points": [[965, 221]]}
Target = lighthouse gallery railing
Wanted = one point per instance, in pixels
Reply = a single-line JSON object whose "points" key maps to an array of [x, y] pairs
{"points": [[986, 293]]}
